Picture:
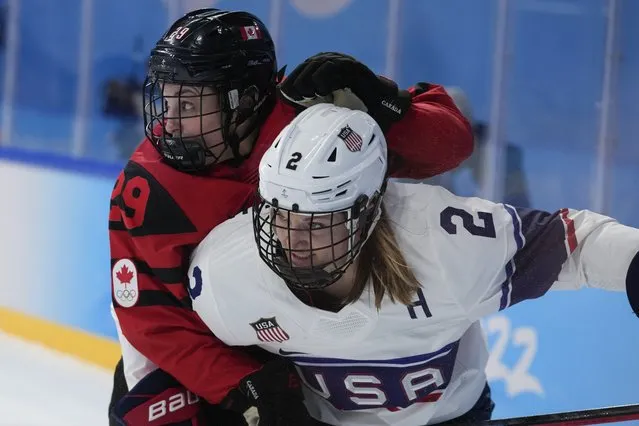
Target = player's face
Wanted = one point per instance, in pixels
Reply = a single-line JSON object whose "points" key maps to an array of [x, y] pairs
{"points": [[191, 111], [312, 241]]}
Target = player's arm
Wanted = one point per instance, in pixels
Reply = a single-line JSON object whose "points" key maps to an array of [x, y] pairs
{"points": [[160, 399], [157, 319], [521, 254], [427, 134], [431, 138], [275, 389], [602, 254]]}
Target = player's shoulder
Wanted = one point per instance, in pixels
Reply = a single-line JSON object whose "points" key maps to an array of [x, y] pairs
{"points": [[225, 280], [234, 235], [155, 198], [428, 216], [412, 206], [146, 198], [439, 231], [228, 255], [145, 164], [416, 198]]}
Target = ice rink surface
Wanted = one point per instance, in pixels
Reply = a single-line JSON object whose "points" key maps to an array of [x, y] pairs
{"points": [[41, 387]]}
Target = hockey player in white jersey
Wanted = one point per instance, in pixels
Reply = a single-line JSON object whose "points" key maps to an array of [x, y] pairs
{"points": [[374, 288]]}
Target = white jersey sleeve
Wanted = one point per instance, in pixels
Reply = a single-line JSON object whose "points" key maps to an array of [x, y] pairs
{"points": [[214, 272], [515, 254]]}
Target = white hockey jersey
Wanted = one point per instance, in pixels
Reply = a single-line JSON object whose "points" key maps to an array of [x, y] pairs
{"points": [[419, 364]]}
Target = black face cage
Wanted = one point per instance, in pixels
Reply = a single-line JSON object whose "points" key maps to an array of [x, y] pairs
{"points": [[187, 152], [357, 221]]}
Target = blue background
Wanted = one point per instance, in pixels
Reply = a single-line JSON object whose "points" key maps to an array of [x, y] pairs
{"points": [[551, 114]]}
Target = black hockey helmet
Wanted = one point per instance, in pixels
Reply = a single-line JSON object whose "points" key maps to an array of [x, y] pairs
{"points": [[209, 57]]}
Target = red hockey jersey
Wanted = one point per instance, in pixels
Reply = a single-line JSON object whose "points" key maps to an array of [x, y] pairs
{"points": [[158, 215]]}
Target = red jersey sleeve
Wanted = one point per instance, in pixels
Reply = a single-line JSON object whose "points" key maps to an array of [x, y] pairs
{"points": [[432, 138], [157, 216]]}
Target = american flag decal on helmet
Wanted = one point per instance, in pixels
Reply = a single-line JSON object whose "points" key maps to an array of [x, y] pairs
{"points": [[268, 330], [350, 137]]}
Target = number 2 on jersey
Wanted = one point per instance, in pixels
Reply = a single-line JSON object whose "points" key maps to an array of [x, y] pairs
{"points": [[485, 229]]}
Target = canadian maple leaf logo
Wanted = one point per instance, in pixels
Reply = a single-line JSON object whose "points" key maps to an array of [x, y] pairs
{"points": [[124, 275]]}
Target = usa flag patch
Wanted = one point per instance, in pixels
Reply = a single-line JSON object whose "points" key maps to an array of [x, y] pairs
{"points": [[350, 137], [268, 330]]}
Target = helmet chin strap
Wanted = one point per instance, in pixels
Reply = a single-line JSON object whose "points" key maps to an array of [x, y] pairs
{"points": [[303, 278], [375, 203], [185, 151]]}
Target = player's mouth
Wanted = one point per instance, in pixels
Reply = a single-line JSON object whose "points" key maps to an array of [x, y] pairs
{"points": [[301, 260]]}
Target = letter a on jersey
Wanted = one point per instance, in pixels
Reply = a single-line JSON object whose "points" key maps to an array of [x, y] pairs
{"points": [[268, 330]]}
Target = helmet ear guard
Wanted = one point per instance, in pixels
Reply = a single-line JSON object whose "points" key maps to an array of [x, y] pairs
{"points": [[368, 212], [244, 119]]}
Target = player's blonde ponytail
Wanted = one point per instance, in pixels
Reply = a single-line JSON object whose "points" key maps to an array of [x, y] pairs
{"points": [[381, 259]]}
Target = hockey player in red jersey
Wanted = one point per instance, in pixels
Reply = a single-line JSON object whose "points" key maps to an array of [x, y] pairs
{"points": [[212, 108]]}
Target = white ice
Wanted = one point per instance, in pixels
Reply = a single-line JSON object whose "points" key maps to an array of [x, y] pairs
{"points": [[42, 387]]}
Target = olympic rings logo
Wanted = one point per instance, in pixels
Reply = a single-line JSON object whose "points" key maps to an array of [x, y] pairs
{"points": [[126, 294]]}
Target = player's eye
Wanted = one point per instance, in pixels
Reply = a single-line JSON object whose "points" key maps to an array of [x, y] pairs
{"points": [[187, 106]]}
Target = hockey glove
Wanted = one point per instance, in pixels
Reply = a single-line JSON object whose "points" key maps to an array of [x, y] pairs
{"points": [[159, 399], [275, 391], [326, 72]]}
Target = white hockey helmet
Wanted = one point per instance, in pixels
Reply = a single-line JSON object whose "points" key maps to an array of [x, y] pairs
{"points": [[329, 160]]}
